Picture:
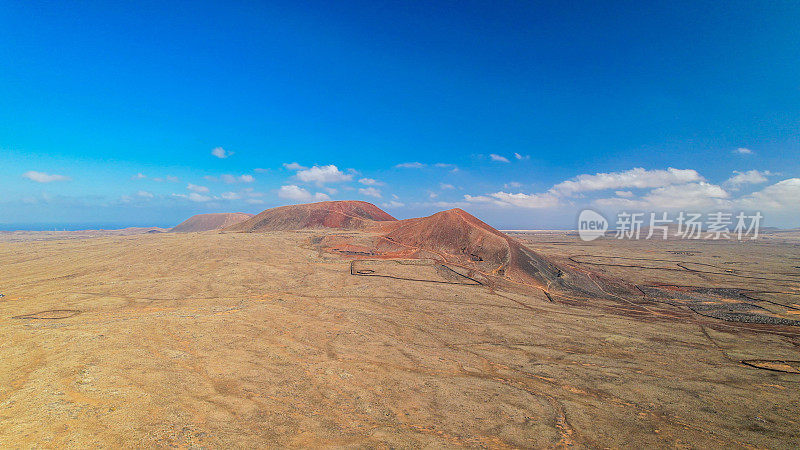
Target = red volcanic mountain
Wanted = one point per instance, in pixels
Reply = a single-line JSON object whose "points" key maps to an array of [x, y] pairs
{"points": [[457, 237], [334, 214], [208, 222], [454, 237]]}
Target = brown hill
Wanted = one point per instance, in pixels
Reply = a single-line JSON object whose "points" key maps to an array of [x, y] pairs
{"points": [[208, 222], [334, 214], [457, 237]]}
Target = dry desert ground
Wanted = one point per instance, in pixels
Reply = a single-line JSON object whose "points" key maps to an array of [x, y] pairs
{"points": [[264, 340]]}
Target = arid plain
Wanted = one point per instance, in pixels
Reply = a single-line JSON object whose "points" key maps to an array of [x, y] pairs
{"points": [[266, 339]]}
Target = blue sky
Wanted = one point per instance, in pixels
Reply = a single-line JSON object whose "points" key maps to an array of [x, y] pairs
{"points": [[606, 97]]}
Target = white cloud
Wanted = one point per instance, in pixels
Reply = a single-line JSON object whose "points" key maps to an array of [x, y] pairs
{"points": [[145, 194], [254, 201], [498, 158], [410, 165], [393, 204], [686, 196], [783, 195], [250, 192], [294, 166], [690, 196], [41, 177], [665, 190], [231, 179], [168, 178], [703, 196], [633, 178], [246, 193], [194, 196], [521, 157], [139, 176], [370, 182], [221, 153], [748, 177], [323, 174], [444, 205], [453, 168], [370, 191], [478, 199], [743, 151], [512, 185], [445, 186], [196, 188], [294, 192], [521, 200]]}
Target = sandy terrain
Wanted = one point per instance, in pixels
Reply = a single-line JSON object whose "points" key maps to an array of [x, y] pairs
{"points": [[253, 340], [25, 235]]}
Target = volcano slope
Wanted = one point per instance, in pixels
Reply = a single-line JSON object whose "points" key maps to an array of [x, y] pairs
{"points": [[454, 238], [459, 238], [475, 252], [333, 214], [208, 222]]}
